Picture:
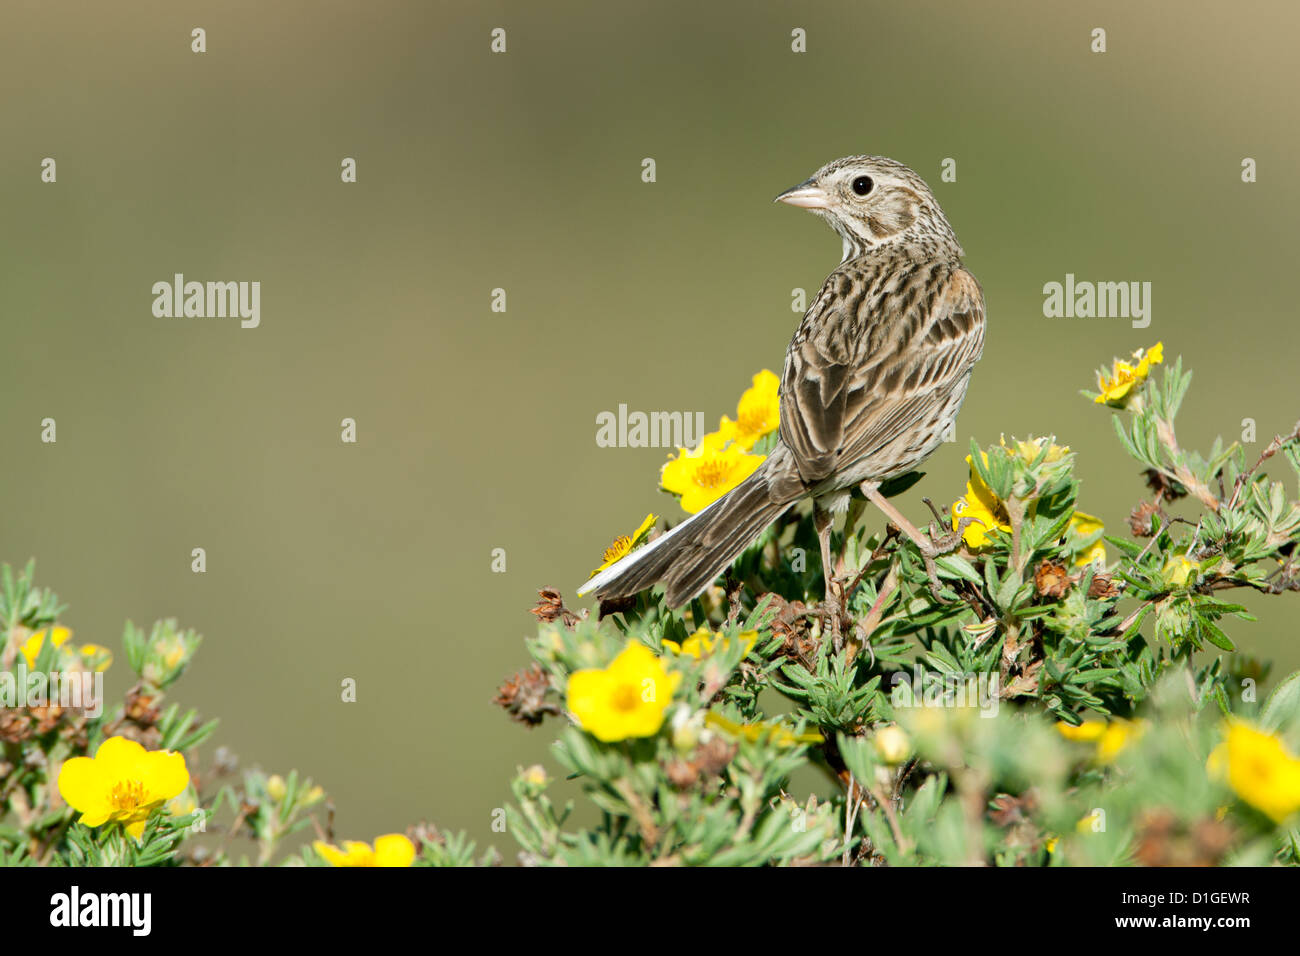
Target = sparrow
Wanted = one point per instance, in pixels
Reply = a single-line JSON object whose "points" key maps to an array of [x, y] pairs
{"points": [[872, 383]]}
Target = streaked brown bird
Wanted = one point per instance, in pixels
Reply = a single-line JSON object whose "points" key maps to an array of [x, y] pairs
{"points": [[874, 378]]}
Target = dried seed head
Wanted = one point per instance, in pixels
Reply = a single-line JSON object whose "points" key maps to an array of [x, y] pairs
{"points": [[15, 727], [713, 756], [47, 718], [1165, 487], [1051, 579], [1102, 587], [523, 696], [1009, 810], [682, 773], [140, 707], [1140, 519], [792, 626], [551, 608], [1164, 840]]}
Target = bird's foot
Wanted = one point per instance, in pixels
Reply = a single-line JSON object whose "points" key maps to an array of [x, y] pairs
{"points": [[937, 545], [931, 545], [943, 543], [934, 545], [832, 611]]}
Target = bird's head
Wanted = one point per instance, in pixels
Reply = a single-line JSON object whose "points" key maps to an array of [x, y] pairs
{"points": [[871, 201]]}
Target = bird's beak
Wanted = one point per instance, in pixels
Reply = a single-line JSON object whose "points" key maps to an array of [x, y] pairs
{"points": [[807, 195]]}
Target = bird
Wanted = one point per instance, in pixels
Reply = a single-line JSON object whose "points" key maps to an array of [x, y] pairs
{"points": [[873, 380]]}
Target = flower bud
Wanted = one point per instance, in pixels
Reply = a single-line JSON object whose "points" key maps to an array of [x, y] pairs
{"points": [[892, 744], [275, 788], [533, 780]]}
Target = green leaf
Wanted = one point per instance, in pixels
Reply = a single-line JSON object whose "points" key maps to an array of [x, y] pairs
{"points": [[1283, 704], [896, 486], [1215, 636], [958, 567], [759, 618]]}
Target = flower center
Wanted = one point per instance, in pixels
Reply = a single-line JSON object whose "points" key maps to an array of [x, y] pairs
{"points": [[711, 474], [621, 546], [127, 795], [624, 698], [752, 422]]}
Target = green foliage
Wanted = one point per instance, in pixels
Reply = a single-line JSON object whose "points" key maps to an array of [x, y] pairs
{"points": [[22, 604], [1064, 700], [1069, 696], [223, 817]]}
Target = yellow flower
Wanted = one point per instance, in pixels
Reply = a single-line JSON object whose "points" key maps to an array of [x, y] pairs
{"points": [[95, 657], [1178, 570], [1116, 386], [704, 642], [32, 647], [1119, 734], [1259, 768], [1085, 526], [624, 544], [1088, 731], [1092, 823], [626, 699], [391, 849], [1096, 553], [781, 736], [123, 782], [704, 475], [757, 414], [1110, 738], [981, 504]]}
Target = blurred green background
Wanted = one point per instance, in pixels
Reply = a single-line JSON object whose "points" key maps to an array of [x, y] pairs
{"points": [[522, 171]]}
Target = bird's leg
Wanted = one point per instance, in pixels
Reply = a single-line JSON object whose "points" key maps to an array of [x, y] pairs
{"points": [[933, 510], [822, 520], [930, 549]]}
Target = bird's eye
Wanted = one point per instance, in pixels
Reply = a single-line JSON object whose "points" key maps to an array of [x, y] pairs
{"points": [[862, 185]]}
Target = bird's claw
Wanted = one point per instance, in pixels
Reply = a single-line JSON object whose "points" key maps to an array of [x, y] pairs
{"points": [[940, 545]]}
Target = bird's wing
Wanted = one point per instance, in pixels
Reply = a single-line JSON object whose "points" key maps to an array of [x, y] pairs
{"points": [[871, 357]]}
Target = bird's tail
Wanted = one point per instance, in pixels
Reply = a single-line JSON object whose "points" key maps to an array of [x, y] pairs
{"points": [[688, 558]]}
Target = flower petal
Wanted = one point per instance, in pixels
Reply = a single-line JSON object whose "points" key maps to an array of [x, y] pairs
{"points": [[120, 757], [394, 849], [164, 775], [84, 786]]}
